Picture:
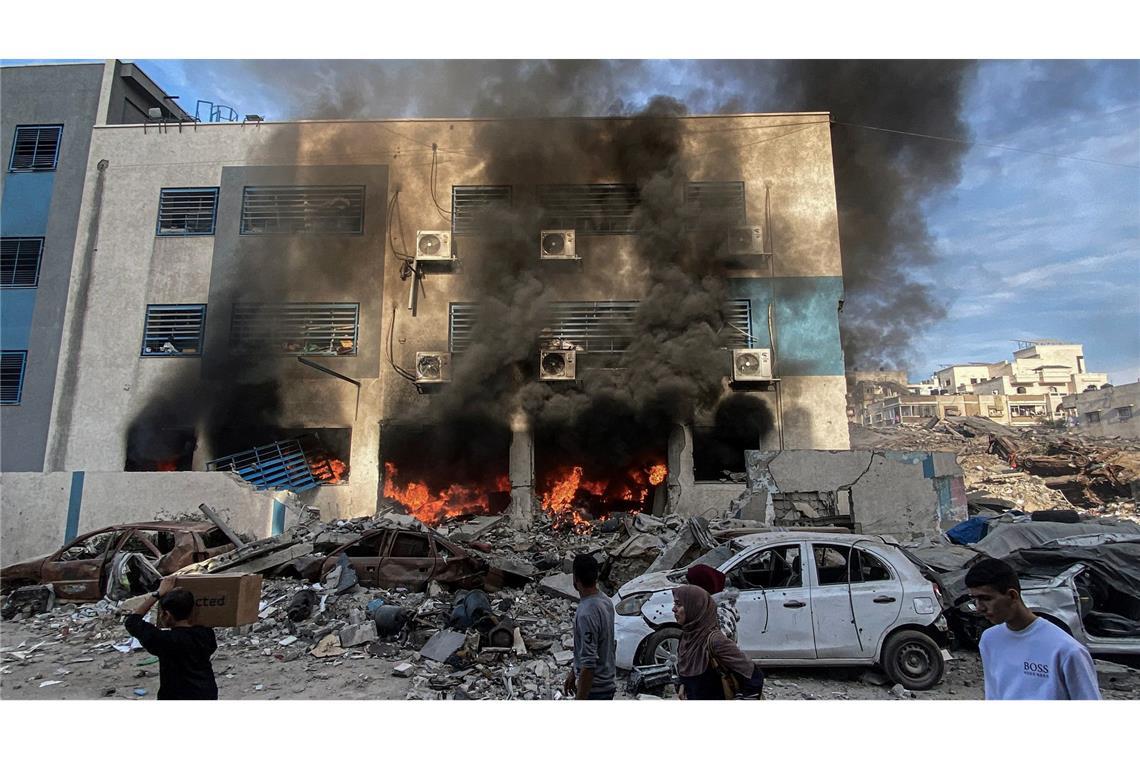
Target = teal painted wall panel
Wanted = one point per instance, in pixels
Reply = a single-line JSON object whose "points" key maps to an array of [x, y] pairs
{"points": [[806, 313], [26, 204], [16, 308]]}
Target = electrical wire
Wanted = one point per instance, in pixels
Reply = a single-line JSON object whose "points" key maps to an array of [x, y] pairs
{"points": [[391, 208], [443, 213], [986, 145], [388, 352]]}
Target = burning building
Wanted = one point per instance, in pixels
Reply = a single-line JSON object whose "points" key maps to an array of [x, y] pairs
{"points": [[576, 316]]}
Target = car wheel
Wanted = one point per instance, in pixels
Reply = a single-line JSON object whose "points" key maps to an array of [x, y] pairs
{"points": [[913, 659], [661, 647]]}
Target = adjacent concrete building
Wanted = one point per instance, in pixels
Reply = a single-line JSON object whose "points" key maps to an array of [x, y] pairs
{"points": [[1108, 411], [46, 122]]}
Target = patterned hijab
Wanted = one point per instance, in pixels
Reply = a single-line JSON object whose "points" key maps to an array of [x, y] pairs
{"points": [[700, 623]]}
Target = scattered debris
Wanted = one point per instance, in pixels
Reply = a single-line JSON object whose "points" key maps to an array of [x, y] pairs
{"points": [[442, 645]]}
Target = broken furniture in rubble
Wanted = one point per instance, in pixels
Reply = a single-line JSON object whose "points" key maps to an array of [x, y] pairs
{"points": [[296, 464]]}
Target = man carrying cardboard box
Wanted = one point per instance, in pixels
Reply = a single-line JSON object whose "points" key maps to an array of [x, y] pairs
{"points": [[183, 651]]}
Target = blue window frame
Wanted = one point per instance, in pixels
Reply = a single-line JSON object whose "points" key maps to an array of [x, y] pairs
{"points": [[36, 148], [20, 262], [187, 211], [12, 365], [282, 464], [313, 329], [174, 329]]}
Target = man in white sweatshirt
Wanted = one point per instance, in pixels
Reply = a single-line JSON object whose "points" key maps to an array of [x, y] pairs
{"points": [[1023, 656]]}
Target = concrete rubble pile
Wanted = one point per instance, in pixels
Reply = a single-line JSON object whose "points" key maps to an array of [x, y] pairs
{"points": [[1031, 470], [511, 639]]}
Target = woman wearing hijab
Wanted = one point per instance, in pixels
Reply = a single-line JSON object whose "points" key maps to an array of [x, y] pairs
{"points": [[705, 651], [713, 581]]}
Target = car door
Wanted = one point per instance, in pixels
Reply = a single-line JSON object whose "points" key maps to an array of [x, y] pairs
{"points": [[76, 571], [851, 617], [409, 562], [774, 604], [364, 556]]}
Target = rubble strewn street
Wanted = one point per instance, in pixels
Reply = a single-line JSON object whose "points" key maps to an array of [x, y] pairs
{"points": [[323, 631]]}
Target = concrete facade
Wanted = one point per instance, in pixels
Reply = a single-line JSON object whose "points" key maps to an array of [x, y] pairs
{"points": [[905, 494], [1107, 411], [1015, 411], [41, 511], [45, 204]]}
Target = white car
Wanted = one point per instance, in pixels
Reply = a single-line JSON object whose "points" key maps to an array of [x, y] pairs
{"points": [[876, 608]]}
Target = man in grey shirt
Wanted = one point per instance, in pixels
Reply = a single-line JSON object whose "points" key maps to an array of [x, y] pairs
{"points": [[594, 673]]}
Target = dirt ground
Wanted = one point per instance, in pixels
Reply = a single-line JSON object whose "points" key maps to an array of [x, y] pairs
{"points": [[289, 672]]}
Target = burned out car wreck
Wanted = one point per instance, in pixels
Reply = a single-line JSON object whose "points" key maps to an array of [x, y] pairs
{"points": [[133, 554]]}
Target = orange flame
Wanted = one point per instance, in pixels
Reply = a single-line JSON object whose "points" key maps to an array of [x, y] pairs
{"points": [[431, 509], [328, 469], [657, 474]]}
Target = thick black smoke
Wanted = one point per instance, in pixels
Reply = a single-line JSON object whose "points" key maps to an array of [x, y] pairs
{"points": [[882, 179]]}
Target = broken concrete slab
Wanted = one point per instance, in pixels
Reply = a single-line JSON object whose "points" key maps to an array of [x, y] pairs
{"points": [[404, 670], [563, 658], [355, 635], [471, 530], [327, 647], [443, 644], [673, 552], [270, 561], [560, 584]]}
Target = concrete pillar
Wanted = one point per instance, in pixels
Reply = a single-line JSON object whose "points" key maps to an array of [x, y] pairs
{"points": [[521, 511], [679, 459]]}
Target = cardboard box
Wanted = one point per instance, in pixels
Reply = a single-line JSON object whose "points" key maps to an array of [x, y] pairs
{"points": [[223, 600]]}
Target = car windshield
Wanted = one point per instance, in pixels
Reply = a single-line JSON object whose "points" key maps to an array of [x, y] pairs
{"points": [[714, 557]]}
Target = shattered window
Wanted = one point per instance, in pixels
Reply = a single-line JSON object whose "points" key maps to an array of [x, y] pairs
{"points": [[410, 545], [214, 538], [91, 547], [366, 547], [869, 568], [830, 563], [778, 567], [142, 542], [1124, 412]]}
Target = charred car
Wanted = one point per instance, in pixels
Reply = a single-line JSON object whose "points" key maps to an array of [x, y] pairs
{"points": [[1090, 591], [82, 569], [391, 558]]}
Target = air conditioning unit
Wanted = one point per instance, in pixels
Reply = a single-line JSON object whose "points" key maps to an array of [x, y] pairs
{"points": [[746, 241], [556, 244], [433, 367], [751, 364], [433, 245], [556, 365]]}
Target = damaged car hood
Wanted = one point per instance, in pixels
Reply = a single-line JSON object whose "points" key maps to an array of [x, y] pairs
{"points": [[651, 582]]}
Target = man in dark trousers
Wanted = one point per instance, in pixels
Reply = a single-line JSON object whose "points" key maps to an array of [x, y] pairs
{"points": [[594, 673], [183, 649], [1023, 656]]}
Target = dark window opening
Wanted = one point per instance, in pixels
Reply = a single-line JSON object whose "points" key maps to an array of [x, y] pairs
{"points": [[313, 329], [173, 330], [599, 209], [313, 456], [714, 205], [160, 449], [437, 472], [1092, 416], [831, 565], [187, 211], [311, 210], [20, 262], [214, 538], [596, 327], [740, 422], [12, 366], [475, 207], [610, 459], [35, 149]]}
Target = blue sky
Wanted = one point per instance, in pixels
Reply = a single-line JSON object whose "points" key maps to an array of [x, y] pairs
{"points": [[1029, 246]]}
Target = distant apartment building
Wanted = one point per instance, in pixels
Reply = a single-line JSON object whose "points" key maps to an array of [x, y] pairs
{"points": [[913, 409], [1108, 411], [1038, 367]]}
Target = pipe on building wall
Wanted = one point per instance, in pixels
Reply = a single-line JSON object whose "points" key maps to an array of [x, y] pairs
{"points": [[75, 323]]}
